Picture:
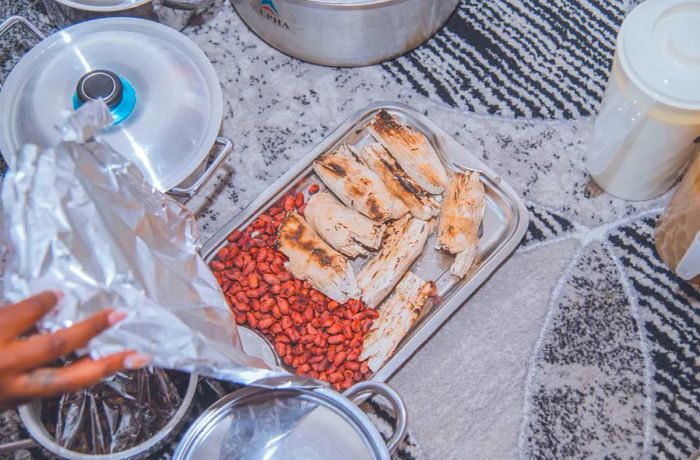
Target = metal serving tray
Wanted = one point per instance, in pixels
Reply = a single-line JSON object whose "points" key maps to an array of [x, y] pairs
{"points": [[504, 225]]}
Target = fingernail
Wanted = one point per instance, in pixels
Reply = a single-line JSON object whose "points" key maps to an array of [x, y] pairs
{"points": [[136, 361], [59, 295], [116, 316]]}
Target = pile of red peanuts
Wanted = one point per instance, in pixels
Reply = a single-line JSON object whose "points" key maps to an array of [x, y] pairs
{"points": [[313, 334]]}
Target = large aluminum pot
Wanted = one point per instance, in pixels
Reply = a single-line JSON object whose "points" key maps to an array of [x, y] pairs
{"points": [[31, 418], [160, 87], [313, 423], [173, 13], [345, 33]]}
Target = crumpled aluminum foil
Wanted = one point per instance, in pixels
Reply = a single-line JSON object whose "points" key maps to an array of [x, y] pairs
{"points": [[81, 218]]}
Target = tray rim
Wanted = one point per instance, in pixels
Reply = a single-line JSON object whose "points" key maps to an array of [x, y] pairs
{"points": [[439, 316]]}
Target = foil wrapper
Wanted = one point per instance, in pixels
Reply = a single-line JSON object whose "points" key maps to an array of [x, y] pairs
{"points": [[80, 218]]}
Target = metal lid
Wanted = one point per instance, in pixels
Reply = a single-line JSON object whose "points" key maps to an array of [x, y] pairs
{"points": [[103, 6], [167, 124], [659, 48], [255, 423]]}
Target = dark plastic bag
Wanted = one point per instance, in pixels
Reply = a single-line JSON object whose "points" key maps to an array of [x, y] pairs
{"points": [[118, 413]]}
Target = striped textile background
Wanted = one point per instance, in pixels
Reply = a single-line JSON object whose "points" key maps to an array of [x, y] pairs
{"points": [[525, 58], [550, 60]]}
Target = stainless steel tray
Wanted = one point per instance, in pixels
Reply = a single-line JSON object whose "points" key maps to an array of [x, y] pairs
{"points": [[505, 220]]}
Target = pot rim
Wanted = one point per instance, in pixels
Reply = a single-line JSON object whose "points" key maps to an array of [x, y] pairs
{"points": [[39, 433], [102, 9], [335, 5], [14, 81], [327, 396]]}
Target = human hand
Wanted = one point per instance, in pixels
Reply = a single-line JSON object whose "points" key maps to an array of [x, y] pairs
{"points": [[23, 376]]}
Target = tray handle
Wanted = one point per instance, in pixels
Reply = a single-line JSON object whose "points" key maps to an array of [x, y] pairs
{"points": [[12, 21], [382, 389], [225, 148]]}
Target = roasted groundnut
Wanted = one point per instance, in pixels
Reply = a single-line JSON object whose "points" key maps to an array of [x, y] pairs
{"points": [[313, 334], [311, 259], [420, 203], [345, 229], [404, 240], [460, 217], [357, 186], [412, 151]]}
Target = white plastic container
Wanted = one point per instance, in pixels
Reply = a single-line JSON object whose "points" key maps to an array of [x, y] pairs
{"points": [[650, 117], [678, 230]]}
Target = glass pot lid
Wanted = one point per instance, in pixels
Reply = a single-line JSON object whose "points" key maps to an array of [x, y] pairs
{"points": [[161, 88], [256, 423]]}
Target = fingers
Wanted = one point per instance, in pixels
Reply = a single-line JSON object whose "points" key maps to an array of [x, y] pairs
{"points": [[42, 349], [46, 382], [20, 317]]}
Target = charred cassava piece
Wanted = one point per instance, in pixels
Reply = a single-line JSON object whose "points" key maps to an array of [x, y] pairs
{"points": [[345, 229], [404, 240], [313, 260], [419, 202], [358, 186], [411, 150], [460, 217], [397, 315]]}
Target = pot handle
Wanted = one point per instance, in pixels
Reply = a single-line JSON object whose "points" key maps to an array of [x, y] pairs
{"points": [[10, 22], [382, 389], [226, 147], [22, 444], [188, 5]]}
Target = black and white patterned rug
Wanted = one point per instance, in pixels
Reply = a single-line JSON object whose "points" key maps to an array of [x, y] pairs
{"points": [[615, 369], [528, 58]]}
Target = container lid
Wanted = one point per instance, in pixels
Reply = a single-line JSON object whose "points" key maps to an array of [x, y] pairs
{"points": [[255, 423], [659, 49], [164, 94]]}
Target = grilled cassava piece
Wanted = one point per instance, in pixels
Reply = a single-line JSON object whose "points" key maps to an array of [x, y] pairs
{"points": [[396, 317], [348, 231], [411, 150], [404, 240], [313, 260], [358, 186], [419, 202], [460, 217]]}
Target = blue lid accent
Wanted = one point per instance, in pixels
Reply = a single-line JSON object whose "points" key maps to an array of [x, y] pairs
{"points": [[121, 111]]}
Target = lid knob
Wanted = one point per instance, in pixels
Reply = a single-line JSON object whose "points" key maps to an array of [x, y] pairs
{"points": [[100, 84]]}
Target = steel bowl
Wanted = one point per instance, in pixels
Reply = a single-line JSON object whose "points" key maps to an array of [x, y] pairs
{"points": [[295, 423], [31, 417], [173, 13], [344, 33]]}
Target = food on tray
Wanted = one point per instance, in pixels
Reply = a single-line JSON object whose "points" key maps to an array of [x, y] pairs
{"points": [[345, 229], [411, 150], [397, 315], [419, 202], [357, 186], [313, 260], [404, 240], [313, 334], [287, 275], [460, 218]]}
